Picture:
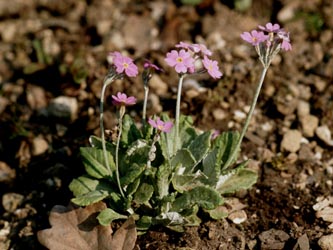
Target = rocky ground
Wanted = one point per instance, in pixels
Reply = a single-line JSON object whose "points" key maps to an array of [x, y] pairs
{"points": [[53, 55]]}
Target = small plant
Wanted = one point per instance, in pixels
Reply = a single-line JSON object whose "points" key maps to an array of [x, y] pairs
{"points": [[165, 171]]}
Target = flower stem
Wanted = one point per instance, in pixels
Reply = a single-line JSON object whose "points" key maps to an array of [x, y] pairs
{"points": [[179, 94], [144, 111], [121, 115], [248, 118], [107, 81]]}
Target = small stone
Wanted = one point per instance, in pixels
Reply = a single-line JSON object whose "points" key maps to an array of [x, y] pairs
{"points": [[7, 174], [291, 141], [36, 97], [309, 125], [326, 242], [64, 107], [273, 239], [158, 85], [219, 114], [322, 203], [39, 146], [238, 217], [239, 115], [303, 108], [305, 153], [302, 243], [325, 214], [11, 201], [288, 12], [324, 134]]}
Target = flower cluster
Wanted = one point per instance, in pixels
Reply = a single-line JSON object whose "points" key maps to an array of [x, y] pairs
{"points": [[185, 59], [268, 41]]}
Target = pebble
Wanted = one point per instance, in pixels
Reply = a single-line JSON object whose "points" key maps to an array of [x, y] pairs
{"points": [[302, 243], [64, 107], [303, 108], [291, 141], [309, 125], [273, 239], [158, 85], [326, 242], [7, 174], [326, 214], [324, 134], [219, 114], [238, 217], [36, 97], [39, 146], [11, 201]]}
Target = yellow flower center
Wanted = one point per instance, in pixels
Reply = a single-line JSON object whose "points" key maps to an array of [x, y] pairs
{"points": [[125, 65], [179, 59]]}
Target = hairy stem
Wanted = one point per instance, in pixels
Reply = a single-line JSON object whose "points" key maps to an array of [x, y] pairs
{"points": [[248, 117], [121, 115], [107, 81], [179, 94], [144, 111]]}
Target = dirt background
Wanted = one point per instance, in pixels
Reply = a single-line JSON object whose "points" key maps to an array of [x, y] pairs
{"points": [[52, 64]]}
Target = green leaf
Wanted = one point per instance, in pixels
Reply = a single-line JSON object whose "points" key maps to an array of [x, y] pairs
{"points": [[209, 167], [94, 163], [144, 193], [200, 146], [204, 197], [90, 197], [144, 223], [226, 144], [85, 184], [133, 186], [96, 142], [242, 179], [185, 137], [138, 152], [108, 215], [131, 173], [186, 182], [183, 161], [163, 176], [130, 132]]}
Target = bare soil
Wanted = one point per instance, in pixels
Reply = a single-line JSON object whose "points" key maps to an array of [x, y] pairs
{"points": [[51, 49]]}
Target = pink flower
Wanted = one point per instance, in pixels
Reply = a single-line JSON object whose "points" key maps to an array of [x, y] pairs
{"points": [[212, 68], [215, 134], [196, 48], [284, 36], [255, 37], [124, 64], [122, 100], [148, 65], [161, 125], [269, 27], [182, 61]]}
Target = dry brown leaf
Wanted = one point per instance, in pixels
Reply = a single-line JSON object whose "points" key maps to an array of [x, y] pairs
{"points": [[78, 229]]}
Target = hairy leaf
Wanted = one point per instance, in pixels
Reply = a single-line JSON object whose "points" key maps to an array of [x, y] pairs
{"points": [[85, 184], [90, 197], [242, 179], [130, 132], [108, 215], [144, 193], [204, 197], [183, 161], [200, 146], [94, 163]]}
